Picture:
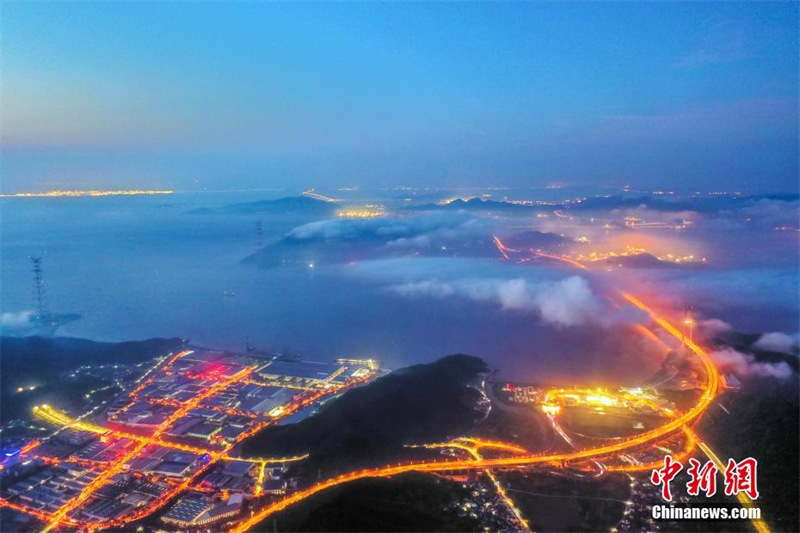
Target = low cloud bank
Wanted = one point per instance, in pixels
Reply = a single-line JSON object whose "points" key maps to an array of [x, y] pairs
{"points": [[567, 302], [558, 300], [713, 326], [731, 361], [16, 320], [778, 342], [414, 230]]}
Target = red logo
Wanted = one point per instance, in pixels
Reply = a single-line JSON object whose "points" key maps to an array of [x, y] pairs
{"points": [[663, 476], [702, 479], [739, 477]]}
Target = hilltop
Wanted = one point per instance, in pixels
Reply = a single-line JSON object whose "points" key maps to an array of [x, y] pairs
{"points": [[370, 425]]}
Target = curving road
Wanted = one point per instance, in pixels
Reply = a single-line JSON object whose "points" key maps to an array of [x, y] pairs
{"points": [[678, 424]]}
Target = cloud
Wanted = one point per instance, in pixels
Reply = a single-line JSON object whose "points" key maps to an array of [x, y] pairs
{"points": [[393, 231], [713, 326], [564, 301], [731, 361], [754, 299], [567, 302], [778, 342], [771, 212], [19, 319]]}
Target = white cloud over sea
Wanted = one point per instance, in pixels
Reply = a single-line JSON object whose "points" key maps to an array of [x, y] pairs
{"points": [[558, 299]]}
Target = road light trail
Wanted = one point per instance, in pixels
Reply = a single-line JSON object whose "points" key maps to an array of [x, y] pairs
{"points": [[218, 455], [648, 437], [482, 443], [148, 377], [744, 500], [501, 247], [259, 488], [90, 488], [60, 516], [524, 458], [509, 502], [563, 259], [311, 194], [101, 480], [759, 524], [41, 515], [472, 447], [58, 418], [646, 332], [691, 443]]}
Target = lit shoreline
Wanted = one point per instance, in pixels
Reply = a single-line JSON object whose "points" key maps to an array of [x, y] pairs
{"points": [[77, 194]]}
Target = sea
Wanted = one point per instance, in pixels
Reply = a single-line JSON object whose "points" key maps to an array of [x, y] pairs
{"points": [[144, 266]]}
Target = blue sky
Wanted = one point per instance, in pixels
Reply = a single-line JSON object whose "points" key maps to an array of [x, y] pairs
{"points": [[246, 94]]}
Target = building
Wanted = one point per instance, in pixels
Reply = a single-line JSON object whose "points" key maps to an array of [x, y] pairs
{"points": [[275, 487], [204, 431], [300, 373], [186, 511], [195, 512]]}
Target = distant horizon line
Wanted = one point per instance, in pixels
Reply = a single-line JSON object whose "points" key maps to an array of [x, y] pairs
{"points": [[308, 191]]}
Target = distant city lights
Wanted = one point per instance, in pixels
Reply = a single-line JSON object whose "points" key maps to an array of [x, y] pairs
{"points": [[92, 192], [366, 212]]}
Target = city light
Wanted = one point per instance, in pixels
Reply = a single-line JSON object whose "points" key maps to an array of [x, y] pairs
{"points": [[623, 445], [311, 194], [554, 401], [361, 213], [215, 380], [78, 193]]}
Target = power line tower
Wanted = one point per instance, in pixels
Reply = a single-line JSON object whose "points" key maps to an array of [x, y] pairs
{"points": [[39, 294], [259, 234]]}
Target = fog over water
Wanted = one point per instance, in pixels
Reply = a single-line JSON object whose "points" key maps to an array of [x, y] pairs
{"points": [[142, 267]]}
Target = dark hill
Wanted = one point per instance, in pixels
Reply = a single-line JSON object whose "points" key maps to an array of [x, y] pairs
{"points": [[25, 357], [295, 205], [763, 424], [478, 204], [534, 239], [43, 360], [703, 204], [369, 425], [411, 502]]}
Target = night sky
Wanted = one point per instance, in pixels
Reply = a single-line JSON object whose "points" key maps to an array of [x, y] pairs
{"points": [[256, 95]]}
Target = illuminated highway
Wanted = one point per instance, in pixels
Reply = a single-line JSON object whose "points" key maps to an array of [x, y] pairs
{"points": [[501, 247], [581, 260], [134, 445], [473, 446], [744, 499], [619, 450], [562, 258], [118, 466], [649, 437], [311, 194]]}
